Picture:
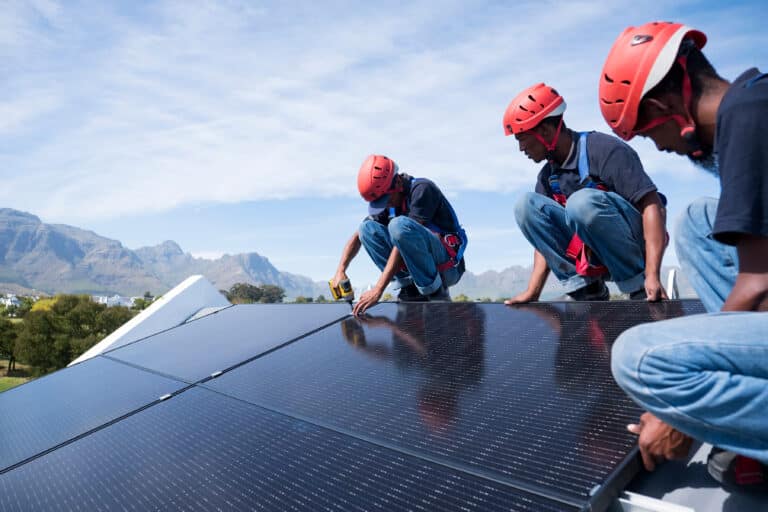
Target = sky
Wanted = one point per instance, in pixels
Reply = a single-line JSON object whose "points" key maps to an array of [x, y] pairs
{"points": [[239, 126]]}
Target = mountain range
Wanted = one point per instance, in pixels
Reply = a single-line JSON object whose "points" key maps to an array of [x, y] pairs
{"points": [[54, 258]]}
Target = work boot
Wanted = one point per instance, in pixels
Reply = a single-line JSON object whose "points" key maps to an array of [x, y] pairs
{"points": [[410, 293], [594, 291], [734, 469], [440, 295]]}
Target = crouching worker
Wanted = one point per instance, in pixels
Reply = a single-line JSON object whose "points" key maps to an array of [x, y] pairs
{"points": [[411, 233], [595, 214]]}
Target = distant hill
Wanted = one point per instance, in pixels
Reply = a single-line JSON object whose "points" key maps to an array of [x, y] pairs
{"points": [[55, 258], [513, 280]]}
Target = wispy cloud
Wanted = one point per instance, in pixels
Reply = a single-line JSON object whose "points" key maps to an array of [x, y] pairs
{"points": [[108, 110]]}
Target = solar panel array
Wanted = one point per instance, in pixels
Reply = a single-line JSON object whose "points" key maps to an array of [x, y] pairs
{"points": [[422, 406]]}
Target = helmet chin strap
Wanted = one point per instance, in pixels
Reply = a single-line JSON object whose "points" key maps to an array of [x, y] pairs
{"points": [[550, 146], [686, 123]]}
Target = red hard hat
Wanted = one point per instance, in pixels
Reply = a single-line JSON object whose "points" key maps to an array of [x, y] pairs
{"points": [[639, 59], [530, 107], [376, 177]]}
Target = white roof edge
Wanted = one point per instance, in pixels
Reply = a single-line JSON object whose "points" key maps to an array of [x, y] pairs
{"points": [[172, 309]]}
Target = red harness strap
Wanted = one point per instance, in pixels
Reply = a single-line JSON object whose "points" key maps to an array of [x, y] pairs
{"points": [[577, 250]]}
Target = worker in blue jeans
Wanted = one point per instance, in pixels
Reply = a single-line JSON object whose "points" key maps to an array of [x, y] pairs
{"points": [[595, 215], [411, 233], [702, 376]]}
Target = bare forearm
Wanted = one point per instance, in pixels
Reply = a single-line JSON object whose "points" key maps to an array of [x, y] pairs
{"points": [[654, 232], [350, 251], [750, 293], [539, 274], [394, 263]]}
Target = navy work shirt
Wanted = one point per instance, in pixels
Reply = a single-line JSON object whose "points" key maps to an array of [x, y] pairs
{"points": [[741, 143], [611, 163]]}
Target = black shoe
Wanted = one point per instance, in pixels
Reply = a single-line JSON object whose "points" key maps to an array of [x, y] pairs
{"points": [[638, 295], [596, 290], [733, 469], [410, 294], [440, 295]]}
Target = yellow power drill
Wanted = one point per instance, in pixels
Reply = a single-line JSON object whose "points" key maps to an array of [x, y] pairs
{"points": [[342, 291]]}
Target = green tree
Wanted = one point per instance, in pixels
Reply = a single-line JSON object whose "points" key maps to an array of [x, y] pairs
{"points": [[321, 298], [461, 298], [303, 300], [271, 293], [387, 297], [244, 293], [8, 343]]}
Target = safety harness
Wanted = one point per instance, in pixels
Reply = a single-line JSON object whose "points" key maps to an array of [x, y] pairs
{"points": [[577, 250], [454, 242]]}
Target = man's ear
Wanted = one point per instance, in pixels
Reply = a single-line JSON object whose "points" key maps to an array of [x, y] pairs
{"points": [[546, 130], [664, 105]]}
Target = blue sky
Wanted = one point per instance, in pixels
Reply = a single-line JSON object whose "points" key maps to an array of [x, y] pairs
{"points": [[234, 126]]}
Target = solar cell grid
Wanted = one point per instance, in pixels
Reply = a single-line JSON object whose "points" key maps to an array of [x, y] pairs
{"points": [[203, 451], [56, 408], [522, 394], [192, 352]]}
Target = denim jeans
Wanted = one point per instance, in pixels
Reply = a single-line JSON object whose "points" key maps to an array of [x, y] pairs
{"points": [[605, 221], [710, 266], [706, 375], [419, 247]]}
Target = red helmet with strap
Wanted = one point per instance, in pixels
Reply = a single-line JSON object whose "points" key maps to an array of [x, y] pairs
{"points": [[639, 59], [376, 177], [531, 107]]}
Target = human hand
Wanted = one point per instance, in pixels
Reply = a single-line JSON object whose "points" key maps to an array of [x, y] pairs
{"points": [[367, 299], [522, 298], [653, 289], [338, 277], [659, 441]]}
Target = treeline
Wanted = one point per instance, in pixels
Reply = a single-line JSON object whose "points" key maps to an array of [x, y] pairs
{"points": [[244, 293], [53, 332]]}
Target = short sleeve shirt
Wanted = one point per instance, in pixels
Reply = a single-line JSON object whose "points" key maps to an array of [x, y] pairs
{"points": [[428, 205], [741, 144], [612, 163]]}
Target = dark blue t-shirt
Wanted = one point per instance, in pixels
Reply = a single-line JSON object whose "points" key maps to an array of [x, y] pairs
{"points": [[427, 205], [611, 163], [741, 143]]}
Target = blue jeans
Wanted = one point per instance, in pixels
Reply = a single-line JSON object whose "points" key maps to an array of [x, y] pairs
{"points": [[605, 221], [706, 375], [419, 247], [710, 266]]}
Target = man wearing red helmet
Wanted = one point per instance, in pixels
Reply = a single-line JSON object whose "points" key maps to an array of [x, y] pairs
{"points": [[704, 375], [595, 213], [411, 233]]}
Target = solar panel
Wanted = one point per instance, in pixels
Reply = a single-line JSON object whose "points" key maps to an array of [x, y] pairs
{"points": [[520, 395], [195, 350], [58, 407], [202, 451]]}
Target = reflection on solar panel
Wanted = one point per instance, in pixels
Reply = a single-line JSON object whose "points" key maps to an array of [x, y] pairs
{"points": [[46, 412], [418, 406], [194, 351]]}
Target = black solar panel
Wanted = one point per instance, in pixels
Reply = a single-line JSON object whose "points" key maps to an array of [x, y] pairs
{"points": [[203, 451], [522, 395], [194, 351], [51, 410]]}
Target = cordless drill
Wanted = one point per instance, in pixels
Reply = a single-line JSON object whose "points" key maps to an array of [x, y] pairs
{"points": [[342, 291]]}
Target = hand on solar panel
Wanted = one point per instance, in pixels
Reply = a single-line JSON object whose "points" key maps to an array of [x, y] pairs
{"points": [[659, 441], [367, 299], [654, 289]]}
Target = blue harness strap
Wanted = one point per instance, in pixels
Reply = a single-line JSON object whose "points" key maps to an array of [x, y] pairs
{"points": [[752, 81], [583, 168], [461, 234]]}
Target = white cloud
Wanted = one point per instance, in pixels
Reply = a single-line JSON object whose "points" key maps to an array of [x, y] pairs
{"points": [[112, 111]]}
